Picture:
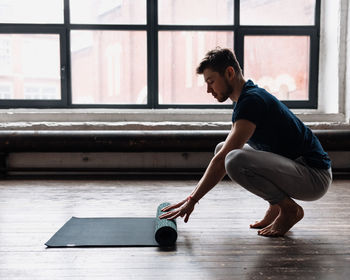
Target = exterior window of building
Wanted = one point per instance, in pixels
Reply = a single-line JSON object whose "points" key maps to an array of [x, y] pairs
{"points": [[108, 12], [30, 58], [109, 68], [177, 69], [33, 11], [277, 12], [40, 91], [288, 80], [5, 56], [143, 53], [6, 91], [113, 53]]}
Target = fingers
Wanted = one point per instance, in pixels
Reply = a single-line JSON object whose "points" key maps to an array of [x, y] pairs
{"points": [[174, 206], [184, 211], [174, 216], [188, 214], [170, 215], [187, 217], [166, 215], [170, 207]]}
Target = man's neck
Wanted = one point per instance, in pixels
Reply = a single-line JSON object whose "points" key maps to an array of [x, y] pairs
{"points": [[237, 88]]}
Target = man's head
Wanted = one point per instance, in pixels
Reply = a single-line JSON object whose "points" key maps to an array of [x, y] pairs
{"points": [[218, 60], [221, 70]]}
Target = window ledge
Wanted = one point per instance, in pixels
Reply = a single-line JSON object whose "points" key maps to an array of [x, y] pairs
{"points": [[114, 115], [142, 119], [119, 126]]}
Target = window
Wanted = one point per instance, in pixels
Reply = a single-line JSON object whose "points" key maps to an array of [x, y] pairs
{"points": [[40, 91], [30, 58], [33, 11], [180, 52], [110, 67], [6, 90], [143, 53], [288, 79], [5, 55]]}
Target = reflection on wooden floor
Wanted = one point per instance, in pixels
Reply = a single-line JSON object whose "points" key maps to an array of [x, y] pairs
{"points": [[215, 244]]}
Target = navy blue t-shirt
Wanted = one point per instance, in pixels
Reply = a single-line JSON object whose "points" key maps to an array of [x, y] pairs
{"points": [[278, 130]]}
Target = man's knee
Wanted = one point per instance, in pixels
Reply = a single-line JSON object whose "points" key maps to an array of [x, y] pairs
{"points": [[235, 161], [218, 147]]}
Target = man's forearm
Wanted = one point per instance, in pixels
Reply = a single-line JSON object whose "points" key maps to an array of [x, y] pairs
{"points": [[213, 175]]}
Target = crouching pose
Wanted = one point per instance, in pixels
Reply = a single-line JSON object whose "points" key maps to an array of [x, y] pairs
{"points": [[268, 151]]}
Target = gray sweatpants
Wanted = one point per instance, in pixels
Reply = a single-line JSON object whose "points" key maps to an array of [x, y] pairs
{"points": [[274, 177]]}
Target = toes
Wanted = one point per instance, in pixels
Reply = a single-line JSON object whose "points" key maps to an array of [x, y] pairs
{"points": [[258, 224], [269, 233], [255, 225], [275, 233], [266, 231]]}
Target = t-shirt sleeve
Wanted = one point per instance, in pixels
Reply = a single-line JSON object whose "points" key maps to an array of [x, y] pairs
{"points": [[251, 108]]}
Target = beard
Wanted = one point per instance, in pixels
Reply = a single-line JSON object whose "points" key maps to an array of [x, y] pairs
{"points": [[226, 93]]}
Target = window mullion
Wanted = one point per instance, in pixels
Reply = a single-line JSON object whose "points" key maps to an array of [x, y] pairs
{"points": [[65, 53], [152, 53]]}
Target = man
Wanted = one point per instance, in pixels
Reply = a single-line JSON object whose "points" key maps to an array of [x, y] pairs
{"points": [[283, 159]]}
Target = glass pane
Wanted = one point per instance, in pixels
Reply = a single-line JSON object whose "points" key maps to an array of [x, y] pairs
{"points": [[30, 66], [277, 12], [280, 64], [195, 12], [180, 52], [108, 11], [34, 11], [109, 67]]}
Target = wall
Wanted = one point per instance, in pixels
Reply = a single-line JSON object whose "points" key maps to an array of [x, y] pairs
{"points": [[347, 77], [343, 58]]}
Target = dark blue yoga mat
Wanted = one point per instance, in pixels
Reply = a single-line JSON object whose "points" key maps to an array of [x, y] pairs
{"points": [[116, 232]]}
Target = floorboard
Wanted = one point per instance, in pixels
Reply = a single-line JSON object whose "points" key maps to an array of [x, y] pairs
{"points": [[215, 244]]}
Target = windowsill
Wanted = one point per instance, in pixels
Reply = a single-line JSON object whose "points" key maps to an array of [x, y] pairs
{"points": [[143, 119]]}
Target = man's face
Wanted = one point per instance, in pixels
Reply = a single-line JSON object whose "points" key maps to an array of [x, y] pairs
{"points": [[217, 85]]}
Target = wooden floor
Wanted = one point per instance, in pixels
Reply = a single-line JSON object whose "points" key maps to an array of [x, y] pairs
{"points": [[216, 243]]}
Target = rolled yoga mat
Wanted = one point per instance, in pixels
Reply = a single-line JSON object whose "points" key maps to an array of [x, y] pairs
{"points": [[116, 232], [165, 232]]}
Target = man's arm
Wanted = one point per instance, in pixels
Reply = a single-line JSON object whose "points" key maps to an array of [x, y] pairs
{"points": [[240, 133]]}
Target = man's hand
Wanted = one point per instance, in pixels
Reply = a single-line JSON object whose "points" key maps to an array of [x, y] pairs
{"points": [[183, 208]]}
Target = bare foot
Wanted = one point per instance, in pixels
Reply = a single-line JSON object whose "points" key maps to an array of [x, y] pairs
{"points": [[270, 215], [290, 214]]}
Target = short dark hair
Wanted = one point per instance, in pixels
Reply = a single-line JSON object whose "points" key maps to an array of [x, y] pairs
{"points": [[218, 60]]}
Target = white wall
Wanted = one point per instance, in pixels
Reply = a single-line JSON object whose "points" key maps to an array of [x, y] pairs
{"points": [[343, 58], [329, 57], [347, 76], [334, 95]]}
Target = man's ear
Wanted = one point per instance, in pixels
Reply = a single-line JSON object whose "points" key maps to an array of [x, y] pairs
{"points": [[230, 72]]}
